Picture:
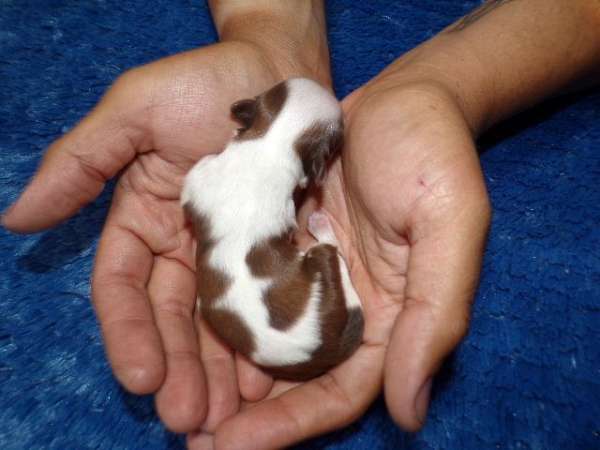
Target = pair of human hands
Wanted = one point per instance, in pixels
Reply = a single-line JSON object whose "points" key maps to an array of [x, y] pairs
{"points": [[406, 199]]}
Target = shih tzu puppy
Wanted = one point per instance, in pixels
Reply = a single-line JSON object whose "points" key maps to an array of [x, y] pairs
{"points": [[294, 313]]}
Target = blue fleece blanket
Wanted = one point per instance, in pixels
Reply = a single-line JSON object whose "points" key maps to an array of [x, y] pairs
{"points": [[526, 377]]}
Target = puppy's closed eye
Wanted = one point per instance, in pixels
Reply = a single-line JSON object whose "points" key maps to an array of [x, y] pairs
{"points": [[317, 146], [244, 112]]}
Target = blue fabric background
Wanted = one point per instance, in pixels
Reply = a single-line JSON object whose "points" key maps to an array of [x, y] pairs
{"points": [[527, 376]]}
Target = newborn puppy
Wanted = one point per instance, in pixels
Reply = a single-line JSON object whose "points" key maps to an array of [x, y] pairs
{"points": [[294, 313]]}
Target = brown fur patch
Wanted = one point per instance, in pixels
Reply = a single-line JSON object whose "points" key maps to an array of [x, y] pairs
{"points": [[256, 115], [270, 257], [211, 283], [321, 361], [341, 329], [286, 299], [231, 329], [317, 146]]}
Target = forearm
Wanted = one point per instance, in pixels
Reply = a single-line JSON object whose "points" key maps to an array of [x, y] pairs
{"points": [[291, 33], [508, 55]]}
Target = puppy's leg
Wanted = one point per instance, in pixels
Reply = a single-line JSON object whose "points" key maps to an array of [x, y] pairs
{"points": [[321, 229]]}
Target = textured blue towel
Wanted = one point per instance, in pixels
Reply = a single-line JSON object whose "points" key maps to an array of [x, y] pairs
{"points": [[527, 376]]}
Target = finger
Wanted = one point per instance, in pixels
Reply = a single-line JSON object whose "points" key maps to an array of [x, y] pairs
{"points": [[181, 401], [221, 379], [318, 406], [278, 387], [75, 167], [133, 344], [254, 384], [442, 276]]}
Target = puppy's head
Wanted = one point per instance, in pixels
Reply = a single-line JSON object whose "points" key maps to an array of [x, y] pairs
{"points": [[300, 118]]}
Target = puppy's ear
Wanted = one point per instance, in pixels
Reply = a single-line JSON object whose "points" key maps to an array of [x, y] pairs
{"points": [[317, 146], [244, 112]]}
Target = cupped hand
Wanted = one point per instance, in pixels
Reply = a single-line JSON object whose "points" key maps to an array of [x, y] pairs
{"points": [[153, 124], [409, 206]]}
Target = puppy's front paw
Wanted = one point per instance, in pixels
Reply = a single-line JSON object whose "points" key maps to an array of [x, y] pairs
{"points": [[321, 229]]}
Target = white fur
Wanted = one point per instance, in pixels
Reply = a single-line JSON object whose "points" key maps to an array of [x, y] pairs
{"points": [[246, 191]]}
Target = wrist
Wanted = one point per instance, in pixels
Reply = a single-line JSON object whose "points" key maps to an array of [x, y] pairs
{"points": [[290, 36], [506, 56], [442, 68]]}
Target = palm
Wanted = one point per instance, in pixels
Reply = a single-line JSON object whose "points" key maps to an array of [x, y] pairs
{"points": [[174, 112], [406, 169], [418, 209], [156, 121], [182, 114], [412, 206]]}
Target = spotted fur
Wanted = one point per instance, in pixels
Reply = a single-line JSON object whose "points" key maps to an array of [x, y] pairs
{"points": [[293, 313]]}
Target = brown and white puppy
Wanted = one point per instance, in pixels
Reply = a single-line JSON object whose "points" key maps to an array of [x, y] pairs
{"points": [[291, 312]]}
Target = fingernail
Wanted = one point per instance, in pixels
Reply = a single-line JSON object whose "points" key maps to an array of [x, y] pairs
{"points": [[422, 400]]}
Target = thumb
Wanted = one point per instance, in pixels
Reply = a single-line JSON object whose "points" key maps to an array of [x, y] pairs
{"points": [[420, 341], [442, 276], [76, 167]]}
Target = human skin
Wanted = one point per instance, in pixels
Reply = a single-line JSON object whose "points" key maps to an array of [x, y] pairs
{"points": [[158, 120], [414, 255]]}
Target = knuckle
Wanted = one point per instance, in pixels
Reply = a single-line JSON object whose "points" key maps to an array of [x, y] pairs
{"points": [[175, 308]]}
